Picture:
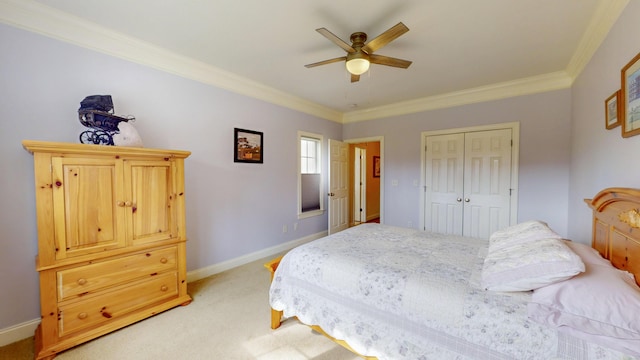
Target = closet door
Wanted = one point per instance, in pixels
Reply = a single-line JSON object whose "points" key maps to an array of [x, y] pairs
{"points": [[468, 177], [444, 179], [487, 182]]}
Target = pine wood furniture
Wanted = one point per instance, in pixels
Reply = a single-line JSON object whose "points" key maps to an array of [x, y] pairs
{"points": [[111, 238], [616, 236], [616, 227]]}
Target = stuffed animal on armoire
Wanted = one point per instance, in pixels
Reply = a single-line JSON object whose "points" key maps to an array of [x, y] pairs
{"points": [[127, 135]]}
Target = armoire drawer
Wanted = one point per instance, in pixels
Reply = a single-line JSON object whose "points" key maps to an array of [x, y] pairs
{"points": [[91, 278], [119, 302]]}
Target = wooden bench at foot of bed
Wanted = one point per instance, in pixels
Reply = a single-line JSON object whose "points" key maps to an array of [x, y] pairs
{"points": [[276, 316]]}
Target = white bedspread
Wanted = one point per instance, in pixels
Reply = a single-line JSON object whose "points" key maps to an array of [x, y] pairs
{"points": [[398, 293]]}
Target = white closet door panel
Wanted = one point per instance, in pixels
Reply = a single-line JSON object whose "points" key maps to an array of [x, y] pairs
{"points": [[444, 189], [487, 182], [445, 218], [473, 217]]}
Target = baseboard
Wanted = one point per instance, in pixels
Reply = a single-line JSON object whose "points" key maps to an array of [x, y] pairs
{"points": [[245, 259], [18, 332], [22, 331]]}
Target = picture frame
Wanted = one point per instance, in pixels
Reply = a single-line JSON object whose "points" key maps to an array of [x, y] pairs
{"points": [[248, 146], [630, 98], [376, 166], [612, 110]]}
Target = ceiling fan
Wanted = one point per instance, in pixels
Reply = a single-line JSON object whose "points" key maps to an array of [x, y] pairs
{"points": [[360, 55]]}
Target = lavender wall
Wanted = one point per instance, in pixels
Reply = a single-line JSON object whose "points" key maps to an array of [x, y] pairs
{"points": [[601, 158], [544, 153], [233, 209]]}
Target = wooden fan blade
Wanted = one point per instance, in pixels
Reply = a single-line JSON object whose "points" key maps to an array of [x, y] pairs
{"points": [[326, 62], [355, 78], [385, 38], [389, 61], [336, 40]]}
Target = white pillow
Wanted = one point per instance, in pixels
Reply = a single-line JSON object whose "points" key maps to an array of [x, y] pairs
{"points": [[600, 305], [521, 233], [529, 265]]}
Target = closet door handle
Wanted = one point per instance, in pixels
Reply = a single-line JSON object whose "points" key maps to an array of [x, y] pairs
{"points": [[459, 199], [466, 200]]}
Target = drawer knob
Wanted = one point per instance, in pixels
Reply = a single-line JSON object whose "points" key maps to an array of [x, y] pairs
{"points": [[82, 281], [82, 315], [164, 288], [164, 260]]}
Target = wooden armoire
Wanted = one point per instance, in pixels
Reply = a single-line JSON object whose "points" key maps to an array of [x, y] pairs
{"points": [[111, 238]]}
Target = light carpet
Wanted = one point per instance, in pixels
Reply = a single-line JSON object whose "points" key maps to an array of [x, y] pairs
{"points": [[229, 318]]}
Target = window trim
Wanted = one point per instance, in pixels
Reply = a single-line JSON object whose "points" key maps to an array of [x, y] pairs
{"points": [[320, 139]]}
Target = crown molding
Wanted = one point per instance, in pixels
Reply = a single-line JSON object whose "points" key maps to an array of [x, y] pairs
{"points": [[35, 17], [602, 21], [531, 85]]}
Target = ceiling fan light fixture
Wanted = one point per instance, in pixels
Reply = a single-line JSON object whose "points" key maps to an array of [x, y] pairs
{"points": [[358, 63], [360, 54]]}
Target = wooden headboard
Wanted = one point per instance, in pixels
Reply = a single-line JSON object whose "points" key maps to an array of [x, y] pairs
{"points": [[616, 227]]}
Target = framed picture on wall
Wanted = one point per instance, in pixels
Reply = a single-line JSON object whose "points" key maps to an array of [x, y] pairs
{"points": [[612, 110], [630, 98], [247, 146], [376, 166]]}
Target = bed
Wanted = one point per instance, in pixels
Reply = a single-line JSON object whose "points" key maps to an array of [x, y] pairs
{"points": [[387, 292]]}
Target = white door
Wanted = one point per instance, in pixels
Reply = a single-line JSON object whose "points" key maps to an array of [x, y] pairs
{"points": [[359, 185], [487, 182], [468, 181], [444, 190], [338, 186]]}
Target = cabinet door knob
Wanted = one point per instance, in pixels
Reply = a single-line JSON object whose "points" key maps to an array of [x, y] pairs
{"points": [[82, 315], [120, 203], [82, 281], [466, 200], [459, 199], [128, 204]]}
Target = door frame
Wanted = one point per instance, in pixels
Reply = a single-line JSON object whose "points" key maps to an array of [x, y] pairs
{"points": [[379, 139], [515, 151]]}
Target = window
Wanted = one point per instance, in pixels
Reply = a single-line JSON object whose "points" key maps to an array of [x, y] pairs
{"points": [[309, 175]]}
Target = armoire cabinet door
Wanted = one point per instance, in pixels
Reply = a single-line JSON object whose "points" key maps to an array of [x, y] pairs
{"points": [[85, 197], [152, 214]]}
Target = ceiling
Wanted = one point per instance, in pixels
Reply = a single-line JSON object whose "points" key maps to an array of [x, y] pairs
{"points": [[457, 47]]}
